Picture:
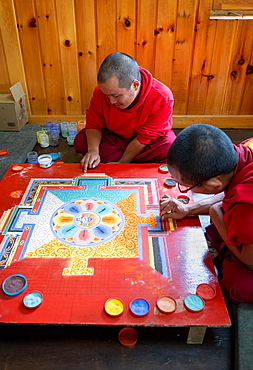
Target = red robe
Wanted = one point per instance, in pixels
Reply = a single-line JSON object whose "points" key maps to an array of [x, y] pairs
{"points": [[149, 120], [237, 278]]}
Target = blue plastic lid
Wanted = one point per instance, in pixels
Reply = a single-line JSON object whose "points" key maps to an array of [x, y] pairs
{"points": [[139, 307], [54, 156], [14, 284]]}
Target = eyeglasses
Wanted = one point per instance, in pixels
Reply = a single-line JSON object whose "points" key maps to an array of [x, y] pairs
{"points": [[194, 186]]}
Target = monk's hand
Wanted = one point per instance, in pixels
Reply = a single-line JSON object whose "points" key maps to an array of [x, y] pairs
{"points": [[90, 160], [172, 208]]}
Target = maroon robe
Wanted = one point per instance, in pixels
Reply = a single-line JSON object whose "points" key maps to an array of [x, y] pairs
{"points": [[237, 278]]}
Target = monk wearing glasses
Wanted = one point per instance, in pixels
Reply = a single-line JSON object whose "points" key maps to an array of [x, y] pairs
{"points": [[203, 159]]}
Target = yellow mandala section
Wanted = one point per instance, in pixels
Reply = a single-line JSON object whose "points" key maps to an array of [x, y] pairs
{"points": [[124, 245]]}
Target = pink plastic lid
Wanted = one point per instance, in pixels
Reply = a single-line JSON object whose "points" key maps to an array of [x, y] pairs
{"points": [[166, 304]]}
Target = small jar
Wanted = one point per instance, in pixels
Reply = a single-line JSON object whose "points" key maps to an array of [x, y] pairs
{"points": [[56, 128], [47, 126], [38, 134], [64, 129], [32, 157], [44, 141], [80, 125], [72, 129], [70, 139], [53, 139]]}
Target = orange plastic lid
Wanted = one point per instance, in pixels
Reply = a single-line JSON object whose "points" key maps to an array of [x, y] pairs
{"points": [[17, 168], [3, 153]]}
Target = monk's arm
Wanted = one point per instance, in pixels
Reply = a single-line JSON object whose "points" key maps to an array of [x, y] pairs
{"points": [[244, 252], [132, 150], [172, 208]]}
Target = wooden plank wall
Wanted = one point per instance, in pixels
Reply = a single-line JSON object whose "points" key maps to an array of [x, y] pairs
{"points": [[54, 47]]}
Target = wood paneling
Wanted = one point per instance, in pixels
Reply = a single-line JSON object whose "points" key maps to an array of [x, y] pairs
{"points": [[55, 47]]}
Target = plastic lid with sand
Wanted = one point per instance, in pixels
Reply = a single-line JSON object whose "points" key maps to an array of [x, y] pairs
{"points": [[166, 304], [139, 307], [14, 284], [114, 307]]}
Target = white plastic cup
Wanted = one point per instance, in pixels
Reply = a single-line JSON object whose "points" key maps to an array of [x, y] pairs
{"points": [[45, 160]]}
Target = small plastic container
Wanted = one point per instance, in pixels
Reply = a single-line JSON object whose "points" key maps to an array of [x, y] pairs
{"points": [[33, 300], [32, 157], [80, 125], [206, 291], [55, 156], [71, 139], [114, 307], [47, 126], [128, 337], [44, 141], [3, 153], [183, 199], [170, 182], [139, 307], [163, 169], [53, 139], [72, 129], [45, 160], [64, 129], [17, 168], [194, 303], [166, 304], [38, 133], [14, 284]]}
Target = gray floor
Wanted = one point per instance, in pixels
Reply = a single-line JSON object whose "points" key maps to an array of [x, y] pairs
{"points": [[77, 347]]}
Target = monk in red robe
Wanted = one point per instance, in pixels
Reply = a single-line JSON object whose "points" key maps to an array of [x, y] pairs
{"points": [[203, 159], [129, 118]]}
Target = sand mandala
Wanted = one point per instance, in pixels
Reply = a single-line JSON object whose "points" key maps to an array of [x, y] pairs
{"points": [[83, 218], [87, 222]]}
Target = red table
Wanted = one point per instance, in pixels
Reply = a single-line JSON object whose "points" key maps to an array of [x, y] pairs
{"points": [[71, 297]]}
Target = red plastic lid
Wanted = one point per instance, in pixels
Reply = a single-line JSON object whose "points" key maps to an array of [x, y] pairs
{"points": [[170, 182], [166, 304], [128, 337], [206, 291], [184, 199], [163, 169]]}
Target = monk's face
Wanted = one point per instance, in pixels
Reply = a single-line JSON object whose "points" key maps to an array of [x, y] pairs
{"points": [[120, 97], [210, 186]]}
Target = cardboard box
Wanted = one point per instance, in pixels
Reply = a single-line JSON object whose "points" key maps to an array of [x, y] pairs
{"points": [[13, 111]]}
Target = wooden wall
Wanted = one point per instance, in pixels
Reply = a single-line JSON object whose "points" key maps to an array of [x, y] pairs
{"points": [[54, 47]]}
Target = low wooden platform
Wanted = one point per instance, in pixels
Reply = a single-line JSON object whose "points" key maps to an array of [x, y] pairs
{"points": [[79, 299]]}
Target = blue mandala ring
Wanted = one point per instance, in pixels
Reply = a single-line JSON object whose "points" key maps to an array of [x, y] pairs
{"points": [[87, 222]]}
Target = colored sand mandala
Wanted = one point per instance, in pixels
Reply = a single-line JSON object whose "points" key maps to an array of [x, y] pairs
{"points": [[87, 222]]}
